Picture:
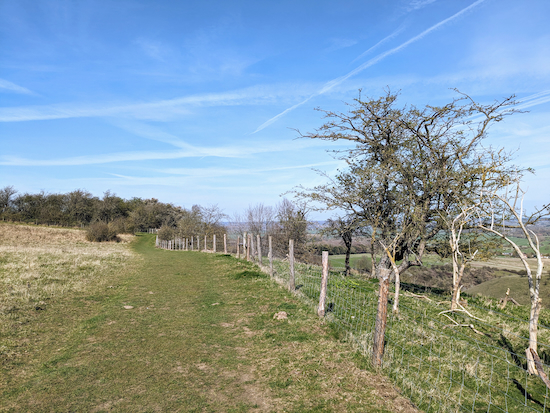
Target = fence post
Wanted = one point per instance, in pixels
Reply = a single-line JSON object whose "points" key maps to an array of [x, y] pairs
{"points": [[252, 249], [259, 243], [324, 282], [381, 318], [205, 243], [225, 243], [214, 242], [291, 281], [270, 257], [248, 247], [157, 241], [192, 246], [238, 246]]}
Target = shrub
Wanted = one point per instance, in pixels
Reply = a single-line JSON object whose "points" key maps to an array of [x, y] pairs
{"points": [[100, 231], [166, 233], [121, 226]]}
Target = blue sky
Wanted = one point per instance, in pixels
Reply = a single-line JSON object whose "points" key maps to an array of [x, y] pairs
{"points": [[196, 102]]}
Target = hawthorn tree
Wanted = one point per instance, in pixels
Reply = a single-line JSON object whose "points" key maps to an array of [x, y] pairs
{"points": [[407, 165]]}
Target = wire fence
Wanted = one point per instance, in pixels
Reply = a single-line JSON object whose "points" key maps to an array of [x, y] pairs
{"points": [[469, 360]]}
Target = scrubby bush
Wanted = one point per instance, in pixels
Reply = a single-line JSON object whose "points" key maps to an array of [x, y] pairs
{"points": [[100, 231], [122, 226], [166, 233]]}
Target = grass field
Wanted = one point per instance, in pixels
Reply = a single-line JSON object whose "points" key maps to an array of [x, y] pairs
{"points": [[472, 360], [150, 330]]}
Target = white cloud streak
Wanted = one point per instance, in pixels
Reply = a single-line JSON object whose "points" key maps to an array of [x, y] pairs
{"points": [[381, 42], [419, 4], [157, 110], [184, 151], [8, 86], [335, 82], [533, 100]]}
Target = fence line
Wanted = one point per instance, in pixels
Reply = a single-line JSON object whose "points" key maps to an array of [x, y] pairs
{"points": [[470, 360]]}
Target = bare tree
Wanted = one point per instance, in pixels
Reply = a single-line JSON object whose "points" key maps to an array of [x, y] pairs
{"points": [[291, 223], [507, 213], [259, 220], [212, 217]]}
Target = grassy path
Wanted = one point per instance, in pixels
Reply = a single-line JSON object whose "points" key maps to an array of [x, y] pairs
{"points": [[200, 336]]}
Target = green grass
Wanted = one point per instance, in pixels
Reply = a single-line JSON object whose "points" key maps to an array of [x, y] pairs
{"points": [[338, 261], [435, 357], [519, 289], [200, 336]]}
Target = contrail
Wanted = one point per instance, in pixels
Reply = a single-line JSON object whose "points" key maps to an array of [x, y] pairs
{"points": [[335, 82], [381, 42]]}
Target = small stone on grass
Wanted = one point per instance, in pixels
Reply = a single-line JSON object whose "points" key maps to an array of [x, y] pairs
{"points": [[281, 315]]}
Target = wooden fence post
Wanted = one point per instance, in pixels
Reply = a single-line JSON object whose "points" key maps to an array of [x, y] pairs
{"points": [[157, 241], [248, 247], [225, 243], [214, 242], [252, 249], [205, 243], [238, 246], [270, 256], [324, 282], [291, 281], [259, 243], [192, 246], [381, 318]]}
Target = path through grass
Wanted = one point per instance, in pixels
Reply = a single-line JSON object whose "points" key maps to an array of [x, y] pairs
{"points": [[199, 336]]}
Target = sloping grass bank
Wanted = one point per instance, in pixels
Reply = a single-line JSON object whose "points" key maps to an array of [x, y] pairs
{"points": [[188, 331]]}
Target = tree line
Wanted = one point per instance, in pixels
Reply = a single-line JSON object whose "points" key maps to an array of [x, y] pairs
{"points": [[109, 215], [81, 208]]}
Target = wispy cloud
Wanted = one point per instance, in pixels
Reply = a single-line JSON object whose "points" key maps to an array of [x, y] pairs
{"points": [[97, 159], [153, 49], [154, 110], [337, 44], [419, 4], [335, 82], [198, 172], [184, 151], [381, 42], [533, 100], [7, 86]]}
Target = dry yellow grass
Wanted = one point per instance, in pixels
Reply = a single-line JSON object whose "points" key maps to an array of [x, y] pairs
{"points": [[39, 263]]}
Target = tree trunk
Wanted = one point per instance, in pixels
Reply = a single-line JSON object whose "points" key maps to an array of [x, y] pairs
{"points": [[533, 323], [381, 317], [346, 236], [458, 272], [372, 260], [397, 289]]}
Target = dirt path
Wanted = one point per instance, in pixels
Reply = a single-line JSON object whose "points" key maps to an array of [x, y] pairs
{"points": [[195, 332]]}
